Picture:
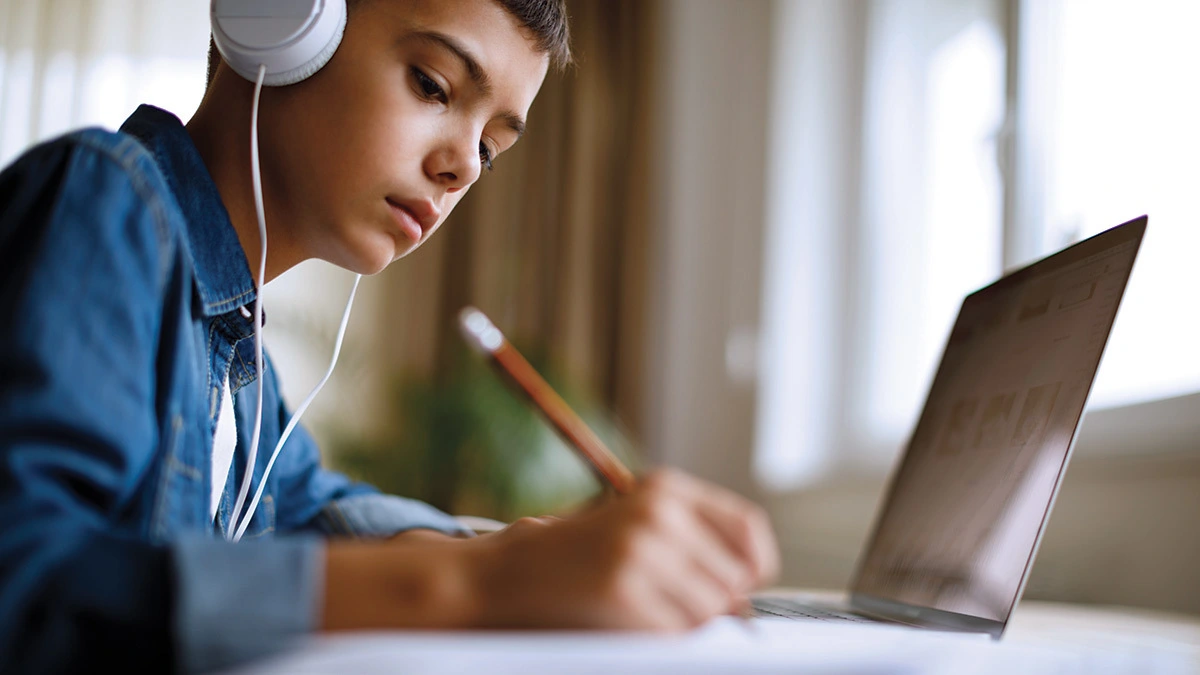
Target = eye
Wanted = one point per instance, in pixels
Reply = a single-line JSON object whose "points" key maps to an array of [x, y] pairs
{"points": [[430, 89], [485, 156]]}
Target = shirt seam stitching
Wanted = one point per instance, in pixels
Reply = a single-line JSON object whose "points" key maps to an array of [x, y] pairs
{"points": [[128, 154]]}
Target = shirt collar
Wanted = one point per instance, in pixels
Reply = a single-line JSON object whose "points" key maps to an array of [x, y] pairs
{"points": [[222, 273]]}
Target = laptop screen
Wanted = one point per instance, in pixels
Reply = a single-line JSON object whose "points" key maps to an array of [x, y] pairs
{"points": [[959, 526]]}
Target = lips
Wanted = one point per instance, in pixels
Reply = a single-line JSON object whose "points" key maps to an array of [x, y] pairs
{"points": [[415, 217], [408, 223]]}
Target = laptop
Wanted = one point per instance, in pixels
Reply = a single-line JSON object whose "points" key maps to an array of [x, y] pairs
{"points": [[960, 525]]}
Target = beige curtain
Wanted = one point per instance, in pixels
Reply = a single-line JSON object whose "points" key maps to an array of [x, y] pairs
{"points": [[71, 63], [554, 244]]}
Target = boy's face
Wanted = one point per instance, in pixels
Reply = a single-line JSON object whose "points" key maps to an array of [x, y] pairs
{"points": [[364, 160]]}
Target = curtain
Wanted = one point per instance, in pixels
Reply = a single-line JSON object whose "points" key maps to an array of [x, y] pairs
{"points": [[71, 63]]}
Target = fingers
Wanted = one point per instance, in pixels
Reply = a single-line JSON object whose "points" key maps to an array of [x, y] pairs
{"points": [[741, 526], [696, 597], [747, 531], [744, 526], [660, 609], [706, 553], [686, 584]]}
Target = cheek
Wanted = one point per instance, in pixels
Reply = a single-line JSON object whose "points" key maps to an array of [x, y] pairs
{"points": [[382, 142], [359, 131]]}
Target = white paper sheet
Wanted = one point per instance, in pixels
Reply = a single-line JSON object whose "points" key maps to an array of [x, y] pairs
{"points": [[725, 645]]}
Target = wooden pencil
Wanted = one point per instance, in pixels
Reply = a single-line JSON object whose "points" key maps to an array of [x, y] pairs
{"points": [[483, 335]]}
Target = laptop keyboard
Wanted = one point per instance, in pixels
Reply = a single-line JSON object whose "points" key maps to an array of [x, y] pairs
{"points": [[788, 609]]}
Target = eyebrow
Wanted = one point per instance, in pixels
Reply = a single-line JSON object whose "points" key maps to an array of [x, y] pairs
{"points": [[479, 76]]}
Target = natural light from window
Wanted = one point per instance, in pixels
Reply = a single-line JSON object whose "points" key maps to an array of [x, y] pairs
{"points": [[946, 243], [1127, 142], [61, 69]]}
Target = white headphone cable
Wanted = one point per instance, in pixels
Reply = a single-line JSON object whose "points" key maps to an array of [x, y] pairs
{"points": [[237, 527], [337, 349], [256, 179]]}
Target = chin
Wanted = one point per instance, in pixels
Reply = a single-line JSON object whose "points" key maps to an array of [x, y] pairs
{"points": [[371, 267], [374, 253], [380, 260], [370, 251], [366, 260]]}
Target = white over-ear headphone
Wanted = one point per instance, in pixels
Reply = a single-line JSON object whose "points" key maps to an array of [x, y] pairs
{"points": [[274, 43], [292, 38]]}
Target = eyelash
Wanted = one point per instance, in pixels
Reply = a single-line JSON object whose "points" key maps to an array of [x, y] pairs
{"points": [[485, 156], [433, 91]]}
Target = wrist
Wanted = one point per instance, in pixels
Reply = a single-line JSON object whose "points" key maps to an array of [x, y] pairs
{"points": [[478, 567], [507, 580], [418, 583]]}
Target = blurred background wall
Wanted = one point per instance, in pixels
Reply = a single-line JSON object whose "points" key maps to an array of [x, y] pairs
{"points": [[736, 235]]}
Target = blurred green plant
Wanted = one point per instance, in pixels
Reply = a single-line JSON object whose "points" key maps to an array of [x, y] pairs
{"points": [[468, 444]]}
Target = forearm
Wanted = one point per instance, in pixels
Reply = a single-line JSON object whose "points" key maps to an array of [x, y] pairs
{"points": [[420, 579]]}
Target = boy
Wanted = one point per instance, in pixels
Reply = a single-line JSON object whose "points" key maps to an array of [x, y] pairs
{"points": [[125, 283]]}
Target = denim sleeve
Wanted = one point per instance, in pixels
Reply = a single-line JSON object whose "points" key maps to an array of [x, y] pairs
{"points": [[82, 262], [236, 602], [313, 499], [78, 269]]}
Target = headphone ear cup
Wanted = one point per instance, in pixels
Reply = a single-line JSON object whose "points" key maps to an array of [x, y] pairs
{"points": [[310, 67], [292, 38]]}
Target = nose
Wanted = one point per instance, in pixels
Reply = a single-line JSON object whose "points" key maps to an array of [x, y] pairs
{"points": [[454, 163]]}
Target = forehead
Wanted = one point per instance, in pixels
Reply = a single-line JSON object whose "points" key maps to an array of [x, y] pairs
{"points": [[505, 50]]}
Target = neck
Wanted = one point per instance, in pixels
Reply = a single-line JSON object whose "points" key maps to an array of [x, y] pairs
{"points": [[220, 130]]}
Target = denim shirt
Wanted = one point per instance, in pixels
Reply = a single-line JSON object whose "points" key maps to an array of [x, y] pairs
{"points": [[122, 284]]}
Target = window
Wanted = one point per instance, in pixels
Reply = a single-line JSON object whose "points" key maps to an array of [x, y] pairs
{"points": [[885, 199], [985, 134], [63, 66], [1125, 132], [932, 195]]}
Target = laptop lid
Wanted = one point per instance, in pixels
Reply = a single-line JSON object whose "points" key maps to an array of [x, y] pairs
{"points": [[958, 530]]}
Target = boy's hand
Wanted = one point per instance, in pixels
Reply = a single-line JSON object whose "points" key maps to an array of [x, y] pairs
{"points": [[671, 555]]}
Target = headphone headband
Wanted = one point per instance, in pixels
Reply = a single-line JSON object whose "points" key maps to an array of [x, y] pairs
{"points": [[292, 38]]}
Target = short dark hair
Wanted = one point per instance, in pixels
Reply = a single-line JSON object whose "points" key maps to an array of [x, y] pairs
{"points": [[546, 20]]}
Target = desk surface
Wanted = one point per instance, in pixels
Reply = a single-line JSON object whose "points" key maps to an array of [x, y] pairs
{"points": [[1042, 638], [1156, 639], [1036, 620]]}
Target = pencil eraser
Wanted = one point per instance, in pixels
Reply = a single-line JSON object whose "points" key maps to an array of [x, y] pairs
{"points": [[479, 330]]}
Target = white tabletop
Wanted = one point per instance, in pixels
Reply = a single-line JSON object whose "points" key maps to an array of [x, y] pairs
{"points": [[1042, 638], [1119, 639]]}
